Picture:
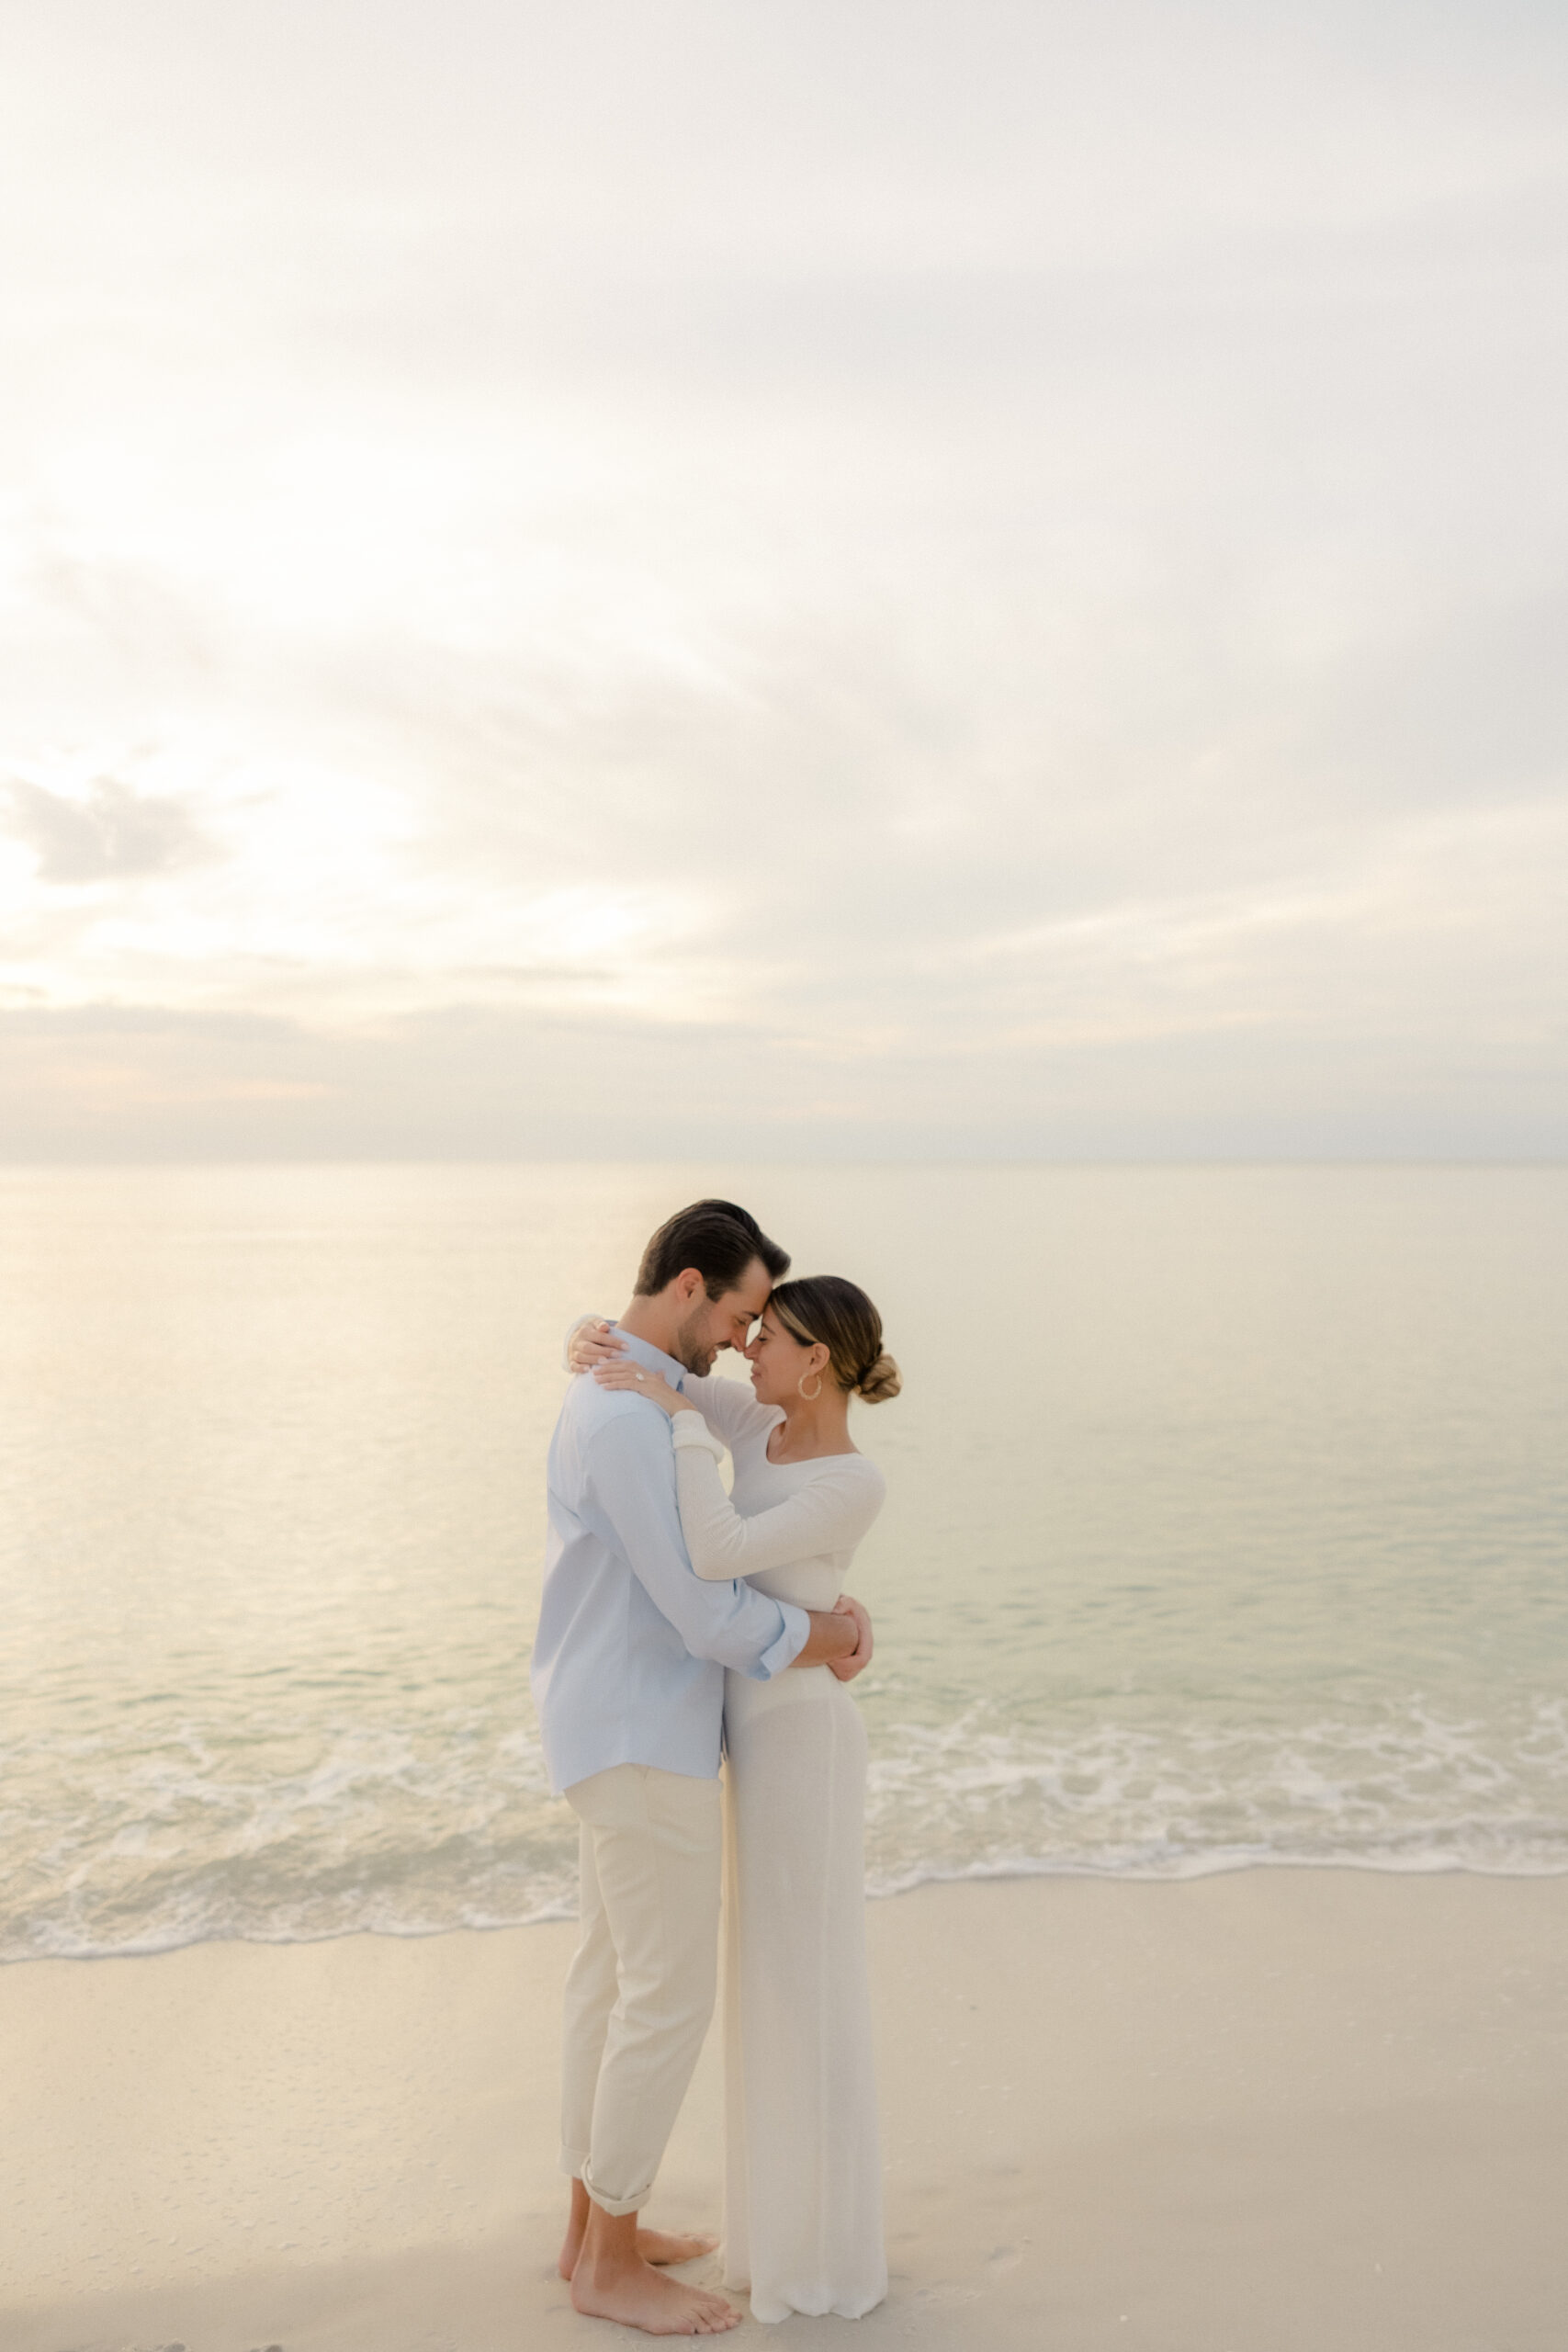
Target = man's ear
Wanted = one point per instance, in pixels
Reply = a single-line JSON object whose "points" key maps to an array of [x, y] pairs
{"points": [[688, 1281]]}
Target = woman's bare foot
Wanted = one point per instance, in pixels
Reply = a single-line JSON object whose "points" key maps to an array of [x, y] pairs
{"points": [[635, 2295], [657, 2246]]}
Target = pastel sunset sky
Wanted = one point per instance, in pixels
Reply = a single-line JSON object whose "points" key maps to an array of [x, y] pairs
{"points": [[891, 577]]}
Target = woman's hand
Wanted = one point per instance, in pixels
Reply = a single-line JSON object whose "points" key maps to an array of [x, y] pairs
{"points": [[617, 1373], [594, 1343]]}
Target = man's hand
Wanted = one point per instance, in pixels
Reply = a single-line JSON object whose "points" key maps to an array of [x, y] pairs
{"points": [[846, 1668], [832, 1640]]}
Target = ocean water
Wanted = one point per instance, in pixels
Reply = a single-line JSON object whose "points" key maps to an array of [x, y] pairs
{"points": [[1227, 1523]]}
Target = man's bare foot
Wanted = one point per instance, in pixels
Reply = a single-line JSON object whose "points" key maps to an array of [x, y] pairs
{"points": [[635, 2295], [657, 2246]]}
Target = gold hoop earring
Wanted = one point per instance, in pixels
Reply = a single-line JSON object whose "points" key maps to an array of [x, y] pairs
{"points": [[800, 1388]]}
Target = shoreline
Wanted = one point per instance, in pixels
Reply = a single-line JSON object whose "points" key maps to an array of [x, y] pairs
{"points": [[1277, 2106], [1020, 1874]]}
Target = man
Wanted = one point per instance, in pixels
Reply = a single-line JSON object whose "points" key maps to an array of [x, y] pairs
{"points": [[628, 1675]]}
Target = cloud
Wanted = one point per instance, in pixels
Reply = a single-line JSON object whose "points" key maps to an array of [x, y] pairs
{"points": [[108, 834]]}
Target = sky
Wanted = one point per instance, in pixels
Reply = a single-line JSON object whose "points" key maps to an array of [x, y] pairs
{"points": [[884, 579]]}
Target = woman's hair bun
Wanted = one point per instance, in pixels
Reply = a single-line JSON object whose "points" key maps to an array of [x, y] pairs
{"points": [[824, 1310], [880, 1381]]}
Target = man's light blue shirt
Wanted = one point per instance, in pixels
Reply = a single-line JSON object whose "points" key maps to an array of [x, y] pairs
{"points": [[629, 1666]]}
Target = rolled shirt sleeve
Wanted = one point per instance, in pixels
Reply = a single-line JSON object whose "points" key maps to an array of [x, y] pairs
{"points": [[633, 1472]]}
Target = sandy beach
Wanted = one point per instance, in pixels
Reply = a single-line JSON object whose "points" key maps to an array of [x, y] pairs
{"points": [[1276, 2112]]}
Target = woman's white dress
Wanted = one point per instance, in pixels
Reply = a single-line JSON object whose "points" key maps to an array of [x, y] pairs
{"points": [[803, 2164]]}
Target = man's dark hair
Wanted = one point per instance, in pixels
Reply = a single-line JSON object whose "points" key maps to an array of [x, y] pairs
{"points": [[716, 1237]]}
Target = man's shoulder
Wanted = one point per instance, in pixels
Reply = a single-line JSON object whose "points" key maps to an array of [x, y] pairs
{"points": [[595, 1412]]}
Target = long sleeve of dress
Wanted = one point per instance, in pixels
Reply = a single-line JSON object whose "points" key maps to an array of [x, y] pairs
{"points": [[831, 1513], [727, 1406]]}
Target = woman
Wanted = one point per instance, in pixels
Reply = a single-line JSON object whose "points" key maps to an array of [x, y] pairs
{"points": [[803, 2169]]}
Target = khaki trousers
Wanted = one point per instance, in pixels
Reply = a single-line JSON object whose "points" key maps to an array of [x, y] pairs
{"points": [[641, 1989]]}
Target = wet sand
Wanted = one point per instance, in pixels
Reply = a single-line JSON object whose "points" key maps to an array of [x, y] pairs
{"points": [[1278, 2111]]}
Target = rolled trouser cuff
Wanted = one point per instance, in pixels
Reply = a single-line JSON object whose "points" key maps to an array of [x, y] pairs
{"points": [[616, 2206], [571, 2163]]}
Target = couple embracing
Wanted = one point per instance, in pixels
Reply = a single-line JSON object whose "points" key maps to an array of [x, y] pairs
{"points": [[676, 1619]]}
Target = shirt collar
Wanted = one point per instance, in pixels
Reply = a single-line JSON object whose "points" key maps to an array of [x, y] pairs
{"points": [[643, 1352]]}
